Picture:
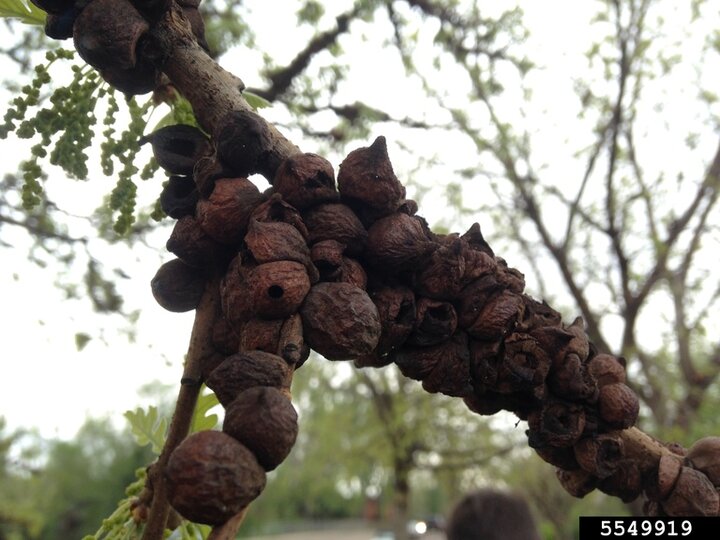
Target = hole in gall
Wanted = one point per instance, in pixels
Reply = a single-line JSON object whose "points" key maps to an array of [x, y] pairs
{"points": [[275, 291]]}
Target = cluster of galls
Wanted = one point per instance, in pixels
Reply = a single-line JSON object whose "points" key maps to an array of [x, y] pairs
{"points": [[108, 33], [212, 475], [223, 228], [684, 483], [349, 270]]}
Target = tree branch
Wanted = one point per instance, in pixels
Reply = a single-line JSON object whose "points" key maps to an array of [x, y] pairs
{"points": [[610, 197], [574, 206], [383, 406], [709, 186], [281, 79], [41, 232], [645, 192], [216, 94], [678, 288], [354, 111], [481, 458], [228, 531], [200, 347]]}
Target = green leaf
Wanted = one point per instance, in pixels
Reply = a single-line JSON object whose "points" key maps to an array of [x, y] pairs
{"points": [[255, 101], [181, 112], [311, 12], [23, 11], [121, 524], [201, 420], [148, 428], [81, 339], [708, 97], [192, 531]]}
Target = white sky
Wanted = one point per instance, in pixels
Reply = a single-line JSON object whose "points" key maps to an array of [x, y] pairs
{"points": [[49, 385]]}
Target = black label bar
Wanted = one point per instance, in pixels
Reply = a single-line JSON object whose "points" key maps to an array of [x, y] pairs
{"points": [[670, 528]]}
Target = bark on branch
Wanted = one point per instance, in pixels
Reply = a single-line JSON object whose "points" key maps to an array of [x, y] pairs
{"points": [[199, 348], [215, 94]]}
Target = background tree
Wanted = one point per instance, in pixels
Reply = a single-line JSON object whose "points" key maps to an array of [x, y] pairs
{"points": [[627, 246], [54, 489], [18, 518], [400, 435], [83, 478]]}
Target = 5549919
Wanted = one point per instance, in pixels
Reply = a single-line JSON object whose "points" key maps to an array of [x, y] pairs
{"points": [[687, 528]]}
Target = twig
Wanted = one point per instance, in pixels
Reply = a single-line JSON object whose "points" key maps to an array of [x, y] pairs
{"points": [[215, 94], [643, 448], [282, 78], [229, 529], [199, 348]]}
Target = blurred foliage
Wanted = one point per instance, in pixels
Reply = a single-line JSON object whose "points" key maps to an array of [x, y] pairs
{"points": [[56, 490], [19, 518]]}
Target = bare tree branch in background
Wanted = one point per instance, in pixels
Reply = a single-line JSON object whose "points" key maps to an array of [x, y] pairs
{"points": [[678, 234]]}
